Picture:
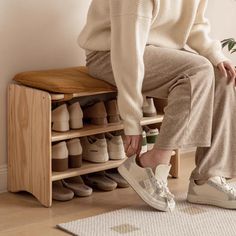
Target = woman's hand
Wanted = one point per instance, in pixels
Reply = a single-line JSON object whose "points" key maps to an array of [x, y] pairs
{"points": [[228, 70], [132, 145]]}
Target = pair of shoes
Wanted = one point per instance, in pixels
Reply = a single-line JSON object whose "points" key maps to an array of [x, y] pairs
{"points": [[150, 186], [102, 147], [149, 109], [102, 113], [67, 154], [65, 118], [149, 138], [100, 181], [66, 189], [215, 191]]}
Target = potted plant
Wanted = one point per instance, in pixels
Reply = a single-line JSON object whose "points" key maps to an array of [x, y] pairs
{"points": [[230, 43]]}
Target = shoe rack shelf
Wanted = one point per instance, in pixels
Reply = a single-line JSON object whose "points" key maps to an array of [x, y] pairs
{"points": [[30, 139], [96, 129]]}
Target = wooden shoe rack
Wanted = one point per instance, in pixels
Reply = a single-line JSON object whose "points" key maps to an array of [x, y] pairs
{"points": [[30, 139]]}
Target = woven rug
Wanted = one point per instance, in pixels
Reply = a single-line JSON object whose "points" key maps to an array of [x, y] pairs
{"points": [[186, 220]]}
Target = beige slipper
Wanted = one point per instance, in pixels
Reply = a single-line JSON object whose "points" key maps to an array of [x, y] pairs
{"points": [[60, 193], [76, 184]]}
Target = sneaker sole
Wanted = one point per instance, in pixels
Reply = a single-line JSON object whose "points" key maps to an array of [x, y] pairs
{"points": [[142, 194], [206, 201]]}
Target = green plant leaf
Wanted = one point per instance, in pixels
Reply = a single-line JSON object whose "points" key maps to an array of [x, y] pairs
{"points": [[233, 51], [224, 44], [231, 45]]}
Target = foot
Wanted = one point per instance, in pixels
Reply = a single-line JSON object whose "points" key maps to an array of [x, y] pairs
{"points": [[150, 185], [154, 157], [215, 191]]}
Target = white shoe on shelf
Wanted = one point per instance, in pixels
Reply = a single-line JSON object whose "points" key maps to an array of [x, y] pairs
{"points": [[144, 147], [149, 109], [94, 148], [152, 135], [76, 116], [115, 147], [60, 118]]}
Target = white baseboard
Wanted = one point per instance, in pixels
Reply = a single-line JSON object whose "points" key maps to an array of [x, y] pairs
{"points": [[3, 178]]}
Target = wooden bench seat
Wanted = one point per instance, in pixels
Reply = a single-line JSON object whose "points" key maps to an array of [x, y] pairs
{"points": [[65, 84]]}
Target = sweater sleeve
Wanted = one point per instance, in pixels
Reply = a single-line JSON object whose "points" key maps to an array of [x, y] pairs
{"points": [[199, 38], [130, 25]]}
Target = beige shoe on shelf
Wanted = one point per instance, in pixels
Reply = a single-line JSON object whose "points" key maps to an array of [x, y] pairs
{"points": [[60, 193], [60, 118], [113, 114], [77, 185], [149, 109], [75, 153], [94, 148], [76, 116], [96, 113], [59, 157], [115, 147]]}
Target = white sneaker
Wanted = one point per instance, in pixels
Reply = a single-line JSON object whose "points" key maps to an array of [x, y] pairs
{"points": [[152, 188], [94, 148], [115, 147], [149, 109], [60, 118], [214, 192], [76, 116]]}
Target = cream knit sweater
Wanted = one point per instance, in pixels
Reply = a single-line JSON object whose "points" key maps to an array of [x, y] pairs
{"points": [[126, 26]]}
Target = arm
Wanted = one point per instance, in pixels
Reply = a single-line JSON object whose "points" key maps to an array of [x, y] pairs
{"points": [[199, 38], [130, 25]]}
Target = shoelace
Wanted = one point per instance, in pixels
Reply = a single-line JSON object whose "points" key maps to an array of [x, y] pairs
{"points": [[162, 188], [227, 187]]}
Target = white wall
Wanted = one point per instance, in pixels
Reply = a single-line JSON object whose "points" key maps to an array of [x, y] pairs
{"points": [[42, 34]]}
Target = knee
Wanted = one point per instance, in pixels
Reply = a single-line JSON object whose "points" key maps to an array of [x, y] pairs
{"points": [[203, 64]]}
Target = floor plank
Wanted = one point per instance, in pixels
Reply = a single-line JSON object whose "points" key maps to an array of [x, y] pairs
{"points": [[21, 214]]}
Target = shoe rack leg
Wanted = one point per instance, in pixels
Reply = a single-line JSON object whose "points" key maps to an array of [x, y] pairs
{"points": [[175, 162], [29, 142]]}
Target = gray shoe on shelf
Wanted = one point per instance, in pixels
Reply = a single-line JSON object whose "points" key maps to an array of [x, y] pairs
{"points": [[99, 181], [115, 176]]}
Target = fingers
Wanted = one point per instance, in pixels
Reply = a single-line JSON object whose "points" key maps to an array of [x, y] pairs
{"points": [[228, 71], [231, 70], [222, 70], [132, 145]]}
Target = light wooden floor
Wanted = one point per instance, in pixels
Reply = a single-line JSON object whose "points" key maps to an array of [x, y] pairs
{"points": [[21, 214]]}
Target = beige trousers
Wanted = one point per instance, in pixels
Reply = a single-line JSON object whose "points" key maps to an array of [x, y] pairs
{"points": [[201, 108]]}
